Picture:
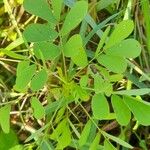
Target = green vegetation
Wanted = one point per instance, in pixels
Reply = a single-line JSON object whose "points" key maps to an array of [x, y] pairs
{"points": [[74, 75]]}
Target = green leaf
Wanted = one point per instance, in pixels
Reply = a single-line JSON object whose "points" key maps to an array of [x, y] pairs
{"points": [[73, 46], [39, 80], [115, 77], [8, 140], [58, 130], [121, 31], [5, 118], [22, 66], [24, 76], [102, 40], [101, 85], [48, 50], [84, 81], [117, 140], [95, 143], [108, 146], [65, 139], [129, 48], [80, 59], [100, 107], [113, 63], [135, 92], [75, 16], [57, 6], [17, 147], [123, 114], [39, 111], [139, 108], [39, 8], [75, 50], [39, 33], [85, 133], [62, 135], [80, 93]]}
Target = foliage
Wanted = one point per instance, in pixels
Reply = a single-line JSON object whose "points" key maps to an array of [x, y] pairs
{"points": [[59, 72]]}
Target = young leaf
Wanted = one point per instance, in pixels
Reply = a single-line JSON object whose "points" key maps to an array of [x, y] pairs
{"points": [[123, 114], [48, 50], [24, 76], [39, 8], [113, 63], [5, 118], [75, 16], [100, 106], [57, 6], [38, 108], [121, 31], [39, 80], [39, 33], [140, 109], [85, 133], [129, 48]]}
